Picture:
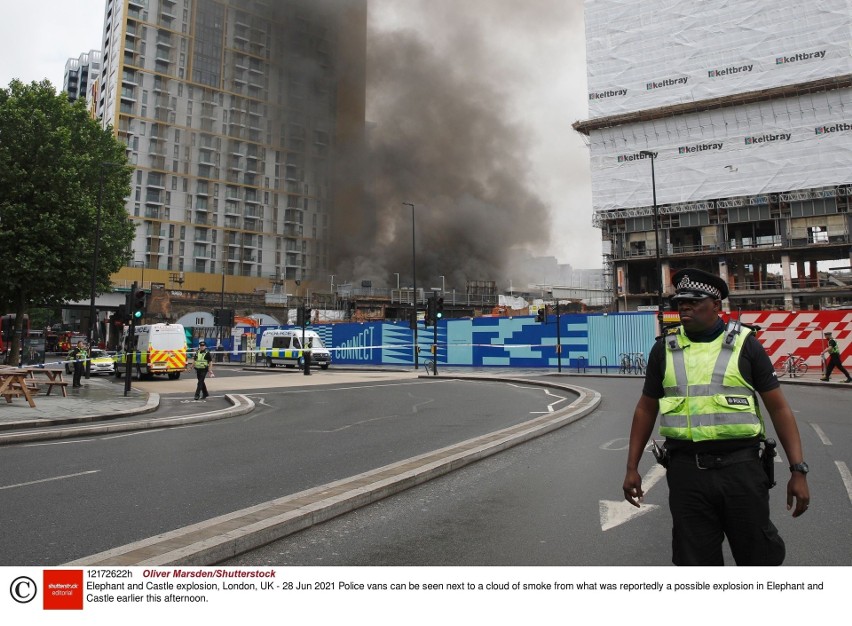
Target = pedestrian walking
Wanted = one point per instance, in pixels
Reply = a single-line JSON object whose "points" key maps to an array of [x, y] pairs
{"points": [[703, 378], [203, 366], [833, 353], [79, 356]]}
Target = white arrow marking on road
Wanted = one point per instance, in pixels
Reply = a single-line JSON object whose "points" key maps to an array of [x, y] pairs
{"points": [[616, 513], [845, 476]]}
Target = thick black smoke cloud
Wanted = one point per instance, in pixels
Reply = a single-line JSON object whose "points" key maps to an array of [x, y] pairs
{"points": [[442, 135]]}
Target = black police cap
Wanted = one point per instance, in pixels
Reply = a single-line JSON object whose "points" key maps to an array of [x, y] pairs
{"points": [[695, 284]]}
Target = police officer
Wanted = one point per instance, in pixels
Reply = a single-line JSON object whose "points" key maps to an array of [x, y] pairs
{"points": [[80, 356], [203, 365], [833, 353], [702, 379]]}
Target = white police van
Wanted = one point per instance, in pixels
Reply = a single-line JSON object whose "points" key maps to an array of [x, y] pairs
{"points": [[285, 347]]}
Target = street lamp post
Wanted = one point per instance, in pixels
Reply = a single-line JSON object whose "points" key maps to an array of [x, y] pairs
{"points": [[414, 280], [141, 265], [653, 157], [93, 327]]}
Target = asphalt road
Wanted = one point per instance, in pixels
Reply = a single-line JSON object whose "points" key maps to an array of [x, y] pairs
{"points": [[546, 502], [63, 500]]}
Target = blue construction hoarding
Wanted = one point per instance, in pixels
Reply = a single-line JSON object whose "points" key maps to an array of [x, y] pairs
{"points": [[587, 340]]}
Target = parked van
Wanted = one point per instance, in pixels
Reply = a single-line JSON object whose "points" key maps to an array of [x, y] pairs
{"points": [[156, 349], [285, 347]]}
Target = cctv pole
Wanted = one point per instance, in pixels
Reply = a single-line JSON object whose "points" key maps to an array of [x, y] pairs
{"points": [[559, 341], [129, 348], [414, 280]]}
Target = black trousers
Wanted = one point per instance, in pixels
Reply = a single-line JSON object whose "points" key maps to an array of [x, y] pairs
{"points": [[708, 505], [834, 361], [201, 388], [79, 370]]}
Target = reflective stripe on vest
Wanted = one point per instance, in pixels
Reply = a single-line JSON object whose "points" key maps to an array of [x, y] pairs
{"points": [[706, 396]]}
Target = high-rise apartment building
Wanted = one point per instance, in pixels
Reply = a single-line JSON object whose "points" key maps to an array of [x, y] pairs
{"points": [[232, 112], [81, 74], [721, 137]]}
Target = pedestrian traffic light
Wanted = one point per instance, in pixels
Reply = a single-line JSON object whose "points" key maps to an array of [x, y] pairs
{"points": [[540, 316], [140, 302], [439, 309]]}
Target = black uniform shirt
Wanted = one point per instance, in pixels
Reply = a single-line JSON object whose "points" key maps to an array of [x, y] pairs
{"points": [[755, 367]]}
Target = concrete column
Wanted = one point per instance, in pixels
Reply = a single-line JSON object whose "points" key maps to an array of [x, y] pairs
{"points": [[667, 276], [723, 274], [787, 278]]}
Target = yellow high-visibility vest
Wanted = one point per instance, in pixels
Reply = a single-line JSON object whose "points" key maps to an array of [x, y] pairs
{"points": [[706, 396]]}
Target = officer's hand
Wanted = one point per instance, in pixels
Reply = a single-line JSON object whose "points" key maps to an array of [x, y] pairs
{"points": [[633, 488], [797, 488]]}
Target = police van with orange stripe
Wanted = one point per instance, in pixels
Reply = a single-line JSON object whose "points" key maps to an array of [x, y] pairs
{"points": [[156, 350]]}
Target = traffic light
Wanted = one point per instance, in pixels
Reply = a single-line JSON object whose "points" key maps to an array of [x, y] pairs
{"points": [[300, 316], [119, 318], [439, 309], [540, 317], [223, 317], [412, 320], [429, 318], [140, 302], [307, 316]]}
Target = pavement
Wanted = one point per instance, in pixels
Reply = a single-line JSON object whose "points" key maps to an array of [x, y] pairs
{"points": [[100, 407]]}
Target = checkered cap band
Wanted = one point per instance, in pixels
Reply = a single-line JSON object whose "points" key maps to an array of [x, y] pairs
{"points": [[686, 285]]}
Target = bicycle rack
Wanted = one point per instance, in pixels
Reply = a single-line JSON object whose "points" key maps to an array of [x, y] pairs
{"points": [[581, 363], [604, 365]]}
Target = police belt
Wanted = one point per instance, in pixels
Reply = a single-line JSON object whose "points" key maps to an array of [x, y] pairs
{"points": [[709, 460]]}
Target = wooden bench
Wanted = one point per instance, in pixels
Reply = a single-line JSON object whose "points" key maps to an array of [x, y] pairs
{"points": [[54, 379], [14, 384]]}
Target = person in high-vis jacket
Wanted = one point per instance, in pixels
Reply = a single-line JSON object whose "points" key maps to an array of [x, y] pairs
{"points": [[203, 365], [702, 379], [833, 353], [79, 355]]}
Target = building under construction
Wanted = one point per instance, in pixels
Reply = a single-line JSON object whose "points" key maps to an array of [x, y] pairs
{"points": [[720, 137]]}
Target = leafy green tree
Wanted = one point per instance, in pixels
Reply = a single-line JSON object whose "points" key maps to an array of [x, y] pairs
{"points": [[58, 166]]}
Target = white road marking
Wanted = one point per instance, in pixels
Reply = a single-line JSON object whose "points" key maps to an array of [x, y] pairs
{"points": [[47, 480], [846, 476], [821, 434], [614, 513], [57, 443]]}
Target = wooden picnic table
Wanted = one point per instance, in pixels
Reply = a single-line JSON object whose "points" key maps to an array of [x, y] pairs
{"points": [[14, 383], [54, 379]]}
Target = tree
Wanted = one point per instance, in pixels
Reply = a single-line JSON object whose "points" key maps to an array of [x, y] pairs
{"points": [[57, 166]]}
